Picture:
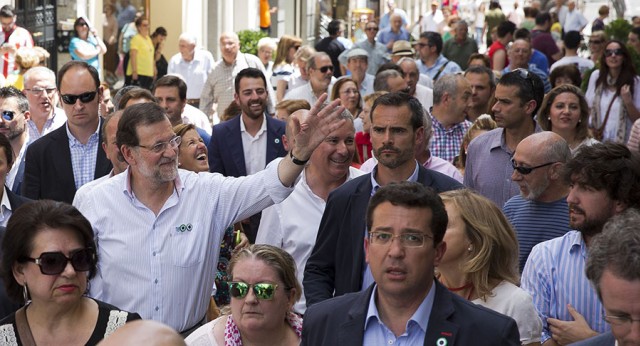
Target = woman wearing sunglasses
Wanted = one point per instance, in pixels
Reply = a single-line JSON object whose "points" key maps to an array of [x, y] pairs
{"points": [[263, 290], [86, 45], [48, 256], [564, 111], [481, 261], [614, 95]]}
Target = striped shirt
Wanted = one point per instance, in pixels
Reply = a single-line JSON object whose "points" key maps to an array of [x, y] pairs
{"points": [[536, 222], [446, 142], [554, 276], [84, 156]]}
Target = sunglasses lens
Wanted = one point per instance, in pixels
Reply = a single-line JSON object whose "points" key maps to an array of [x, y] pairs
{"points": [[7, 115], [87, 97], [82, 260], [264, 291], [326, 68], [238, 289], [69, 99], [84, 98], [52, 263]]}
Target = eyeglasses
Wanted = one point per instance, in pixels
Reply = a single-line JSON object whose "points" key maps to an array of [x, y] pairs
{"points": [[38, 91], [612, 52], [527, 170], [596, 42], [262, 290], [372, 29], [84, 97], [8, 115], [620, 321], [162, 146], [406, 239], [53, 263], [324, 69]]}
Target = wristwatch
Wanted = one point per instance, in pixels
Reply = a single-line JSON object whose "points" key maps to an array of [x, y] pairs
{"points": [[297, 161]]}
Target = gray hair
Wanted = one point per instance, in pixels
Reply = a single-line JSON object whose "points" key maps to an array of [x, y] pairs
{"points": [[190, 38], [39, 70], [380, 82], [445, 84], [312, 63], [557, 151], [616, 248]]}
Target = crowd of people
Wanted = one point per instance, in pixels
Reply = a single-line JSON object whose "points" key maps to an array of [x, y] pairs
{"points": [[475, 183]]}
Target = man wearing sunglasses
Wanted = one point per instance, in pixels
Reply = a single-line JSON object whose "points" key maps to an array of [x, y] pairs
{"points": [[488, 169], [540, 212], [42, 93], [14, 114], [376, 51], [320, 71], [159, 228], [12, 38], [604, 181], [62, 161], [406, 223]]}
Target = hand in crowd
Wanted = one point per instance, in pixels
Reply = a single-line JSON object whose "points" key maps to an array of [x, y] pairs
{"points": [[567, 332], [625, 93], [322, 120]]}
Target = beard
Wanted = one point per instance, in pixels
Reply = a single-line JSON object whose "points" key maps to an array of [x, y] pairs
{"points": [[590, 226], [251, 113], [534, 193], [391, 161]]}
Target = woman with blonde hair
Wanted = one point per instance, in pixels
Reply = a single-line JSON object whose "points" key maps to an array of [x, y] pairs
{"points": [[283, 68], [481, 261], [300, 75], [565, 111], [483, 124]]}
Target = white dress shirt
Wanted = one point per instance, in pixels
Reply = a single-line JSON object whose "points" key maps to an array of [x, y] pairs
{"points": [[194, 72], [254, 147]]}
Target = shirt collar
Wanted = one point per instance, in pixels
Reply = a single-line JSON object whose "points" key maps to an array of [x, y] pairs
{"points": [[262, 128], [73, 141], [419, 317], [6, 205], [128, 190], [413, 178]]}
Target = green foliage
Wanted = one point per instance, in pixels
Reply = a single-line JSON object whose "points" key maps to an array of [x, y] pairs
{"points": [[618, 30], [249, 40]]}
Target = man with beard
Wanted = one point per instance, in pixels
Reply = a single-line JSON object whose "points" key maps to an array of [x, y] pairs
{"points": [[14, 111], [245, 144], [488, 168], [160, 227], [604, 180], [320, 71], [337, 265], [40, 89], [540, 212]]}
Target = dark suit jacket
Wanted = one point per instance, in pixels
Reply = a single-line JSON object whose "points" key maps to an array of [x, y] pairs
{"points": [[605, 339], [336, 261], [48, 172], [340, 321], [226, 155]]}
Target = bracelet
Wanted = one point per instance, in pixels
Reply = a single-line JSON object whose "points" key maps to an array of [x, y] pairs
{"points": [[296, 160]]}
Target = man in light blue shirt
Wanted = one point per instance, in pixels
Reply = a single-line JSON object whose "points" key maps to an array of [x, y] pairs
{"points": [[406, 222], [432, 62]]}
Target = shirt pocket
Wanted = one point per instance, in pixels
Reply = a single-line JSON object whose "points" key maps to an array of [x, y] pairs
{"points": [[187, 245]]}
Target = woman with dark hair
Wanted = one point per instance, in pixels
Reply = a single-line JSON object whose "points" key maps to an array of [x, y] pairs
{"points": [[346, 89], [48, 257], [564, 111], [158, 37], [263, 290], [565, 74], [614, 95], [141, 69], [86, 45]]}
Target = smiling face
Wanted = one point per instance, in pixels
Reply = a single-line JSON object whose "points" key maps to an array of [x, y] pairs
{"points": [[333, 156], [65, 288], [193, 153], [252, 98], [157, 168], [229, 47], [253, 315], [613, 61]]}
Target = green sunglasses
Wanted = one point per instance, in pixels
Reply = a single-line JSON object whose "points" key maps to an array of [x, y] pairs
{"points": [[262, 290]]}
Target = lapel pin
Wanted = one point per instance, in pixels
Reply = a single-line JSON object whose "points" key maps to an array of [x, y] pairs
{"points": [[277, 141]]}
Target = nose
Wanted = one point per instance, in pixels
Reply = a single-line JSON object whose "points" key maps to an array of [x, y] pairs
{"points": [[396, 250], [572, 196], [68, 270], [250, 298], [515, 176]]}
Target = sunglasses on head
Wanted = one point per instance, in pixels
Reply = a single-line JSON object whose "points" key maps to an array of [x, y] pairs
{"points": [[84, 97], [527, 170], [612, 52], [8, 115], [53, 263], [324, 69], [262, 290]]}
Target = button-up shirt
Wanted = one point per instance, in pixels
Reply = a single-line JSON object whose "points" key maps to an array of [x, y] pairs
{"points": [[446, 142], [194, 72], [254, 147], [163, 266], [57, 119], [432, 71], [84, 156]]}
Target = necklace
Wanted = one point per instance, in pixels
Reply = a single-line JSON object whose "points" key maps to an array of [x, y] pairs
{"points": [[461, 288]]}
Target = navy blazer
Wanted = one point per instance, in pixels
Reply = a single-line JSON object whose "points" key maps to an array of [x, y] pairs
{"points": [[336, 262], [226, 154], [453, 321], [48, 172]]}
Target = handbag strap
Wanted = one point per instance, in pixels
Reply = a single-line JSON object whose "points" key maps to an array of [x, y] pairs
{"points": [[24, 331], [599, 132]]}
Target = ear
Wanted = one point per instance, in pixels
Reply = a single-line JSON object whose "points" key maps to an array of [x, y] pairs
{"points": [[100, 91], [619, 206], [18, 273], [291, 298], [285, 143], [530, 106], [236, 98], [555, 171], [366, 249], [127, 153], [27, 115], [439, 250], [419, 135]]}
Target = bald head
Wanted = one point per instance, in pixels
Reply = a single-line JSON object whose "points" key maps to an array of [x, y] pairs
{"points": [[547, 146], [144, 332]]}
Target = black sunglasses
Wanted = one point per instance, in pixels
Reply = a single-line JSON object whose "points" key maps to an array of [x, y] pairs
{"points": [[372, 29], [527, 170], [53, 263], [84, 97], [8, 115], [612, 52], [324, 69]]}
